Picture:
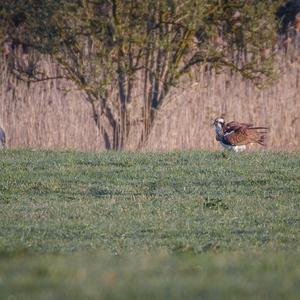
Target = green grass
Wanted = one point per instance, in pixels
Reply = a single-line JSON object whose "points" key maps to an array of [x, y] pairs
{"points": [[181, 225]]}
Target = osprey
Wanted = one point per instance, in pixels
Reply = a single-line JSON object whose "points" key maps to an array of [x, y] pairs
{"points": [[235, 136]]}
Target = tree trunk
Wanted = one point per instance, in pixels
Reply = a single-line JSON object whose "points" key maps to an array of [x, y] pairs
{"points": [[113, 140], [122, 126]]}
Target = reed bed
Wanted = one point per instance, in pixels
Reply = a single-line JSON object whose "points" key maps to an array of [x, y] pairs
{"points": [[53, 115]]}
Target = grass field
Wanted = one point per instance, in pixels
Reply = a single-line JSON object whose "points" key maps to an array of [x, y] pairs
{"points": [[181, 225]]}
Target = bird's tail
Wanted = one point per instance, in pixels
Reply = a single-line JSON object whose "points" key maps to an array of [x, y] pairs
{"points": [[259, 135], [259, 128]]}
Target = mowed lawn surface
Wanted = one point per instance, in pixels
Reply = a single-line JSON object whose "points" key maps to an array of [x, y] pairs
{"points": [[180, 225]]}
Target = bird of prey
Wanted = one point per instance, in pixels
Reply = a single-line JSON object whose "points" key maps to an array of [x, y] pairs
{"points": [[236, 136]]}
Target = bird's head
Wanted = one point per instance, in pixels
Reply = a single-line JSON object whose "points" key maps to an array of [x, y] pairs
{"points": [[219, 122]]}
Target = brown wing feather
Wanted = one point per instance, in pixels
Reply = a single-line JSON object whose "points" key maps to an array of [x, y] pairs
{"points": [[244, 135], [233, 126], [238, 137]]}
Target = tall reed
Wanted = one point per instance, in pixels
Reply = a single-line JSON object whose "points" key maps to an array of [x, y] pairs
{"points": [[48, 115]]}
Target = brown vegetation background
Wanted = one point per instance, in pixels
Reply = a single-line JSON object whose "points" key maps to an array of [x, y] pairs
{"points": [[53, 115]]}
